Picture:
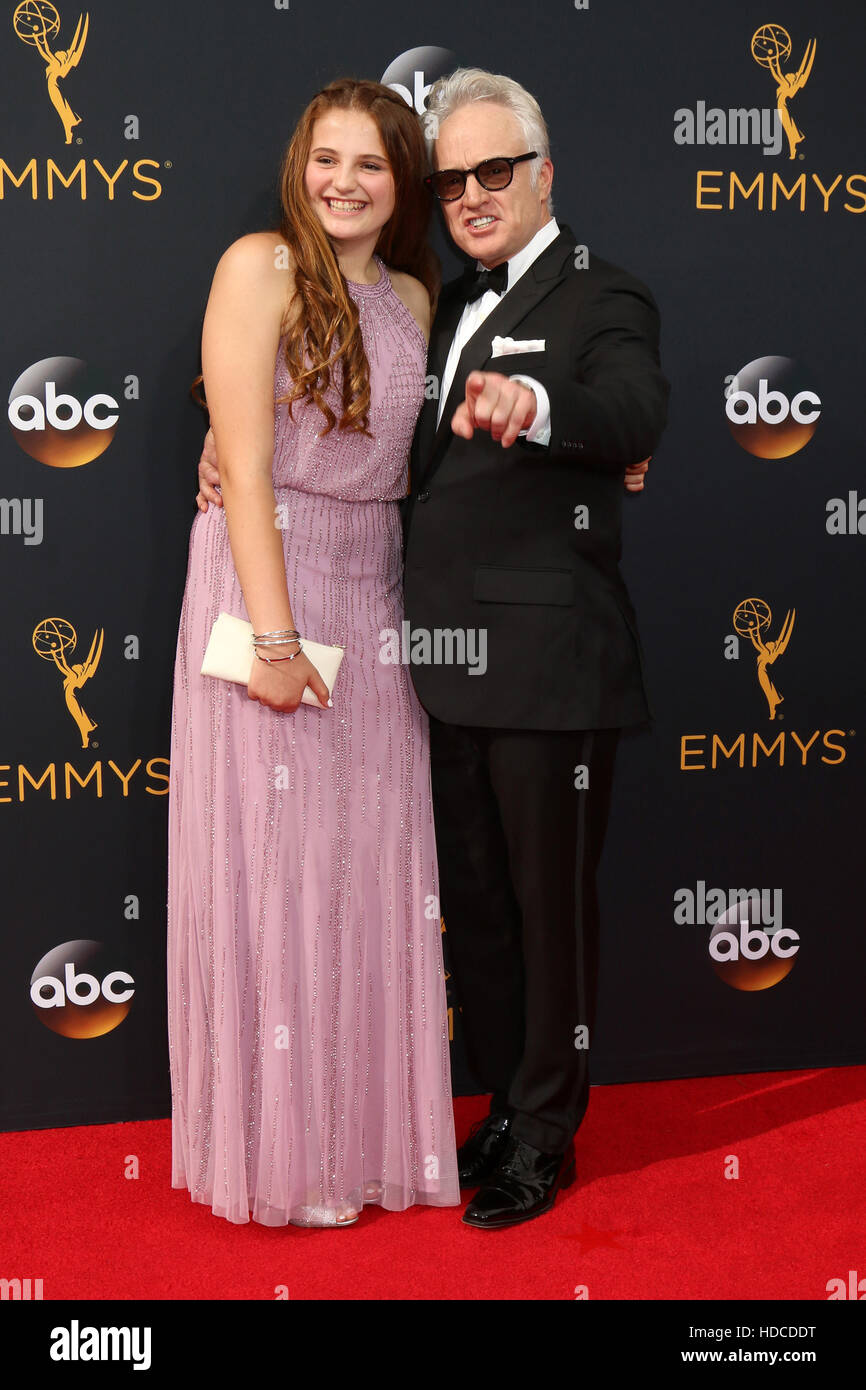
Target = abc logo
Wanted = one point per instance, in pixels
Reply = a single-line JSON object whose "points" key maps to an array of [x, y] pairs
{"points": [[771, 411], [60, 415], [747, 955], [74, 990], [407, 73]]}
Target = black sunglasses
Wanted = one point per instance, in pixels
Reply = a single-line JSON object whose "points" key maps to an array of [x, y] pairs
{"points": [[492, 174]]}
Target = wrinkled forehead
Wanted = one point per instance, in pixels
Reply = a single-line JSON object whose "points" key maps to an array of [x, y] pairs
{"points": [[480, 130]]}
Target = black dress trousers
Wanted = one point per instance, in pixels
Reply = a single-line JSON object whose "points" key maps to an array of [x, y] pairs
{"points": [[518, 845]]}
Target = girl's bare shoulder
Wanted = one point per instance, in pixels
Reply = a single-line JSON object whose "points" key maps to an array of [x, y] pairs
{"points": [[414, 295]]}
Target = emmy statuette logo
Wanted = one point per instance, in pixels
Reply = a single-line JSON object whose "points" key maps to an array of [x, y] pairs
{"points": [[773, 132], [771, 47], [37, 24], [53, 638], [62, 173], [781, 745], [94, 772], [752, 618]]}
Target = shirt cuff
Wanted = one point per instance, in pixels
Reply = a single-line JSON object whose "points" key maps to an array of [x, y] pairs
{"points": [[539, 430]]}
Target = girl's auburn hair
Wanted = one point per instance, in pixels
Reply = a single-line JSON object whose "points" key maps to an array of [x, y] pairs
{"points": [[323, 326]]}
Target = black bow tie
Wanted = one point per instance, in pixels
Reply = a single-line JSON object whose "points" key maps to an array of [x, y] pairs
{"points": [[478, 282]]}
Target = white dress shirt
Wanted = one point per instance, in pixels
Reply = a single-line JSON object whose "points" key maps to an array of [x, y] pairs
{"points": [[477, 310]]}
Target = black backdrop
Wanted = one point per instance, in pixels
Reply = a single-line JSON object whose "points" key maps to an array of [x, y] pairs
{"points": [[190, 108]]}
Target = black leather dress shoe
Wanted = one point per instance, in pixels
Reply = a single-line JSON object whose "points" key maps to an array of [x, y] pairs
{"points": [[477, 1158], [522, 1185]]}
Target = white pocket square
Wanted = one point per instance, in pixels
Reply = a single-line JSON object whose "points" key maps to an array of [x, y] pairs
{"points": [[504, 347]]}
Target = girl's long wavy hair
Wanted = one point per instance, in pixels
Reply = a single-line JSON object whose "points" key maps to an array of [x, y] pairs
{"points": [[323, 326]]}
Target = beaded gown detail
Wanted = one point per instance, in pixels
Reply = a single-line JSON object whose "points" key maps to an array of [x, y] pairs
{"points": [[307, 1019]]}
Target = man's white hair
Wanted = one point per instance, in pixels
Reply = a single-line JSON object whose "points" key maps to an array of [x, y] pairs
{"points": [[466, 85]]}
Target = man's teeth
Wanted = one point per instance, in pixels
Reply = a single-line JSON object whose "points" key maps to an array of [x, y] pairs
{"points": [[480, 221], [343, 206]]}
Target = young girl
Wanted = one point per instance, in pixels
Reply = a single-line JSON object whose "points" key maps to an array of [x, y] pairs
{"points": [[307, 1019]]}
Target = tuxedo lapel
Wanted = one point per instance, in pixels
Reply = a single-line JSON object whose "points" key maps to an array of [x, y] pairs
{"points": [[546, 272], [442, 335]]}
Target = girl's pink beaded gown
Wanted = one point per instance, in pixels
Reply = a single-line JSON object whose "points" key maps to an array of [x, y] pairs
{"points": [[307, 1019]]}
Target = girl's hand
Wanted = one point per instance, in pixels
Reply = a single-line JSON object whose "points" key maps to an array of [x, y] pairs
{"points": [[208, 475], [281, 685]]}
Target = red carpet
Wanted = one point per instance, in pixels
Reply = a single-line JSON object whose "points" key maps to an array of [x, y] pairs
{"points": [[652, 1215]]}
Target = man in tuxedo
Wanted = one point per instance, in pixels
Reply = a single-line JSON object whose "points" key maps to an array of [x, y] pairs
{"points": [[512, 530]]}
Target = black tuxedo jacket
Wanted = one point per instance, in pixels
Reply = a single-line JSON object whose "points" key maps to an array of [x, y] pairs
{"points": [[494, 538]]}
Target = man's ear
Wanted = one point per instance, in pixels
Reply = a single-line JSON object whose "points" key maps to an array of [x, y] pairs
{"points": [[546, 173]]}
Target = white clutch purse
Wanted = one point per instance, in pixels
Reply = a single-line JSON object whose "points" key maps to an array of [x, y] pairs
{"points": [[230, 655]]}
